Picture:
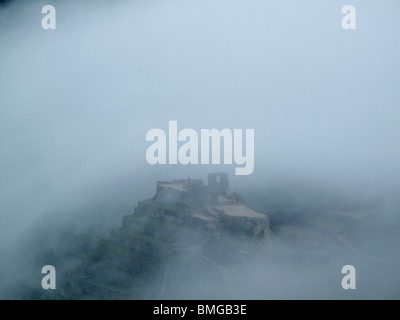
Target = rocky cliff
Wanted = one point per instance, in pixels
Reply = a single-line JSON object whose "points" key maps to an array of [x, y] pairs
{"points": [[188, 234]]}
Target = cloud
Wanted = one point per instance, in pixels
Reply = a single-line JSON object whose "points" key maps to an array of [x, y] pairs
{"points": [[77, 102]]}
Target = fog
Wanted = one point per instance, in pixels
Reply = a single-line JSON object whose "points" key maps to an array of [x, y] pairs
{"points": [[76, 104]]}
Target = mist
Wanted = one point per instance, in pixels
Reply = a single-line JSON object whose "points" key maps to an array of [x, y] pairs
{"points": [[76, 104]]}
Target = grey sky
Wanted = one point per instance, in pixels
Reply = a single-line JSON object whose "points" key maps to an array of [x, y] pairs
{"points": [[76, 102]]}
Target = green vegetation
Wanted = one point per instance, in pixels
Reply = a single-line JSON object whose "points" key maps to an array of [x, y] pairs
{"points": [[140, 236], [105, 246], [159, 223]]}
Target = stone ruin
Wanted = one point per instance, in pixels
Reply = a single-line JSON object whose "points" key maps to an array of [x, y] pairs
{"points": [[213, 201]]}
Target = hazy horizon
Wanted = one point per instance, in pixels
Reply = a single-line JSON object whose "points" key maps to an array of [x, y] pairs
{"points": [[76, 104]]}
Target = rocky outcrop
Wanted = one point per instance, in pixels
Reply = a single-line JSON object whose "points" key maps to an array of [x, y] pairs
{"points": [[138, 259]]}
